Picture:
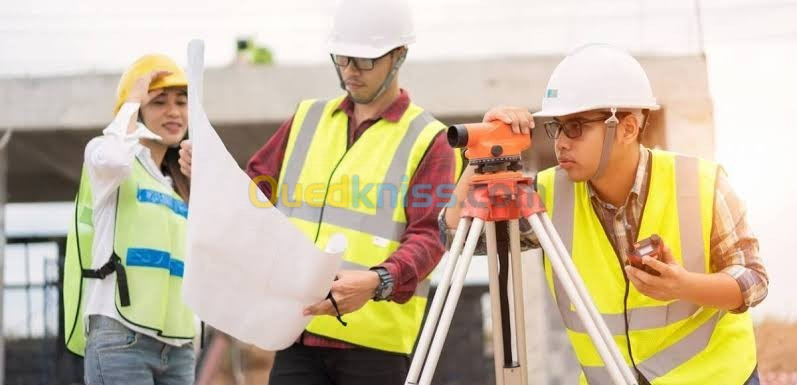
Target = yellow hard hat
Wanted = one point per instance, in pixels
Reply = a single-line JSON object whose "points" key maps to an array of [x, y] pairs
{"points": [[145, 65]]}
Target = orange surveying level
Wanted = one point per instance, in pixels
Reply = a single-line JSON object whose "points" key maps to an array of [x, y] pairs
{"points": [[489, 145]]}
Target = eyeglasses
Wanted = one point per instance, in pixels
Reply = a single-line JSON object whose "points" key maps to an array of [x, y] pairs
{"points": [[572, 128], [361, 63]]}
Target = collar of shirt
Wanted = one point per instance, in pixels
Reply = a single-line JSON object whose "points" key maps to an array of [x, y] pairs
{"points": [[145, 157], [640, 181], [392, 113]]}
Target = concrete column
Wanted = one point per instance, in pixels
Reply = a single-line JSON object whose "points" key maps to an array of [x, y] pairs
{"points": [[3, 171], [690, 127]]}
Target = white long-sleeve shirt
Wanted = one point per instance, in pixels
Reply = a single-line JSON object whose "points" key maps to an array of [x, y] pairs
{"points": [[109, 161]]}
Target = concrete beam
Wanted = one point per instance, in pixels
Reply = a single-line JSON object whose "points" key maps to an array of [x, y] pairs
{"points": [[245, 95], [3, 181]]}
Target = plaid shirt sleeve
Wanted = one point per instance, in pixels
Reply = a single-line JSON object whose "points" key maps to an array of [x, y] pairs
{"points": [[267, 161], [420, 248], [734, 248]]}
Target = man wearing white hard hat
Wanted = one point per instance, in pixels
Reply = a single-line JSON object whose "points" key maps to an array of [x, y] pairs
{"points": [[388, 160], [680, 317]]}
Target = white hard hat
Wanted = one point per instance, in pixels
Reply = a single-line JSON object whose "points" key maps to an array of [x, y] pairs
{"points": [[597, 76], [370, 28]]}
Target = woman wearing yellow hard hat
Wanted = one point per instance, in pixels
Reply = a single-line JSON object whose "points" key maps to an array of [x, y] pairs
{"points": [[125, 252]]}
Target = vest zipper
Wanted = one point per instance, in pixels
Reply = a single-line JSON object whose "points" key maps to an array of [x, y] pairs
{"points": [[631, 238], [649, 172]]}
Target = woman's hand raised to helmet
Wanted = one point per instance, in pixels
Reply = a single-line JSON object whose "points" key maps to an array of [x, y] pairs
{"points": [[140, 92], [518, 117]]}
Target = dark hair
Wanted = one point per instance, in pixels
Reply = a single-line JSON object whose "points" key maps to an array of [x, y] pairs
{"points": [[171, 167], [642, 125]]}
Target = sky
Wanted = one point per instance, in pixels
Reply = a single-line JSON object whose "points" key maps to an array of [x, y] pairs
{"points": [[753, 89], [51, 37], [750, 47]]}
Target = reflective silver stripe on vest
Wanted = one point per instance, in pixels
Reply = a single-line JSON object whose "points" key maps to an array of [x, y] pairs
{"points": [[643, 318], [381, 223], [667, 359], [597, 375], [678, 353], [563, 210], [422, 290], [687, 179], [300, 149], [563, 207]]}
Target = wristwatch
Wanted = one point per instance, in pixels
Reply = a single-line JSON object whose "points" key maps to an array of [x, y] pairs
{"points": [[385, 287]]}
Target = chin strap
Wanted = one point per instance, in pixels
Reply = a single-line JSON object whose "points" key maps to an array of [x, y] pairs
{"points": [[608, 141], [390, 76]]}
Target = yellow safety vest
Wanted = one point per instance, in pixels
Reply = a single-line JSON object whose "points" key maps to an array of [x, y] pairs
{"points": [[148, 259], [325, 188], [672, 342]]}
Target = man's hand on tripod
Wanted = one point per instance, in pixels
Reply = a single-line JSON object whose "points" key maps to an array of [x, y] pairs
{"points": [[351, 290]]}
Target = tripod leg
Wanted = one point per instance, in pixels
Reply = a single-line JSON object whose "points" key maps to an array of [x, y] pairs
{"points": [[495, 303], [582, 291], [437, 302], [578, 302], [451, 301], [507, 303], [517, 294]]}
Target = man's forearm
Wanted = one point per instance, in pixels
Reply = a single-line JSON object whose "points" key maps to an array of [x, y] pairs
{"points": [[453, 212], [717, 290]]}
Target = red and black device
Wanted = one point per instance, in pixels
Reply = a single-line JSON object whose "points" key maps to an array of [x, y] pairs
{"points": [[653, 247]]}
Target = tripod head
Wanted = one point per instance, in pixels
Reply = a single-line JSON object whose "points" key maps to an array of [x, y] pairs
{"points": [[492, 146]]}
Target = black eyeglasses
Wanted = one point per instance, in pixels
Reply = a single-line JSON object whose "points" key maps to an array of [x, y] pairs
{"points": [[361, 63], [573, 128]]}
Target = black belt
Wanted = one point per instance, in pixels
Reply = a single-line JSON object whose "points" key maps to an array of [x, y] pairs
{"points": [[114, 264]]}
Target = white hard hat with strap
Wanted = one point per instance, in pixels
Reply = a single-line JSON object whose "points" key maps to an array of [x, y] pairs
{"points": [[598, 77], [370, 29]]}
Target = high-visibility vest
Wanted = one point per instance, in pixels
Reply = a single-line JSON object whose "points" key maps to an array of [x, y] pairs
{"points": [[672, 342], [148, 259], [326, 188]]}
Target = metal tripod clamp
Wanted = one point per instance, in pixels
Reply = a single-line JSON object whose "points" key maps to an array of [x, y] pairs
{"points": [[502, 197]]}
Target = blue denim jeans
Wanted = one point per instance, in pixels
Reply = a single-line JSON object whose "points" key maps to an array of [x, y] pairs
{"points": [[116, 355], [753, 380]]}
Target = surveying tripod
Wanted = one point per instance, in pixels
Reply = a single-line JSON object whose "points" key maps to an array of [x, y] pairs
{"points": [[498, 197]]}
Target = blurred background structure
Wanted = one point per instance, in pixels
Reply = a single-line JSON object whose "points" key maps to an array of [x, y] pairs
{"points": [[724, 72]]}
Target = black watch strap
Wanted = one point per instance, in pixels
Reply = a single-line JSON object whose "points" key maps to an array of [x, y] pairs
{"points": [[385, 288]]}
